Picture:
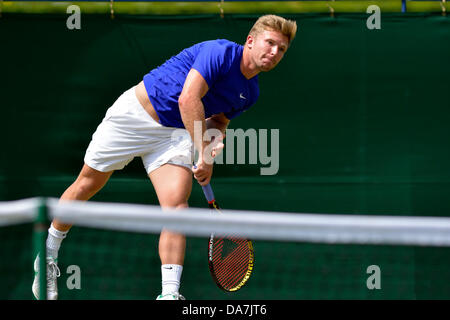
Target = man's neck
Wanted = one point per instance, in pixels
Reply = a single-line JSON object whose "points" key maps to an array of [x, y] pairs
{"points": [[248, 68]]}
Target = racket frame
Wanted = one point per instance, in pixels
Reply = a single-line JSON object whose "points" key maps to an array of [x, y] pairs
{"points": [[213, 205]]}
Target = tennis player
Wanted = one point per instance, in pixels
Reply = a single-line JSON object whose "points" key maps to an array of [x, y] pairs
{"points": [[208, 84]]}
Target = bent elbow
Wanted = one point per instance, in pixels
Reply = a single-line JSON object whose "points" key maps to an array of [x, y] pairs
{"points": [[183, 101], [186, 100]]}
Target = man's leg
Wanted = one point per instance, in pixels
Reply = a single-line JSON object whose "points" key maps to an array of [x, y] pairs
{"points": [[88, 183], [173, 185]]}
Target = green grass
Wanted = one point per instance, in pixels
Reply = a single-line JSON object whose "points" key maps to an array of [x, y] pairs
{"points": [[182, 8]]}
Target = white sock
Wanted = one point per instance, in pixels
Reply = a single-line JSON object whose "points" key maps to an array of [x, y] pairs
{"points": [[171, 276], [54, 239]]}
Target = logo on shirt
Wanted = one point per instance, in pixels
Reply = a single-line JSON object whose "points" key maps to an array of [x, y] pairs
{"points": [[242, 96]]}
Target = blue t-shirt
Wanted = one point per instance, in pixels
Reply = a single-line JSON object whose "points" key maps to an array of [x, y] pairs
{"points": [[218, 61]]}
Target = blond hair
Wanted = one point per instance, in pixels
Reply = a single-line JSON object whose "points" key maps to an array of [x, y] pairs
{"points": [[275, 23]]}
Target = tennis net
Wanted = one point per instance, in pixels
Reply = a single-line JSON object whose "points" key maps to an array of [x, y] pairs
{"points": [[17, 219], [113, 250]]}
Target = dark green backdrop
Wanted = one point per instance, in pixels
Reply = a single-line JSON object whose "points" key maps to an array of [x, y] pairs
{"points": [[364, 129]]}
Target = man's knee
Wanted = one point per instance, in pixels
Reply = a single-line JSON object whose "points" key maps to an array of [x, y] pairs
{"points": [[177, 201], [176, 195]]}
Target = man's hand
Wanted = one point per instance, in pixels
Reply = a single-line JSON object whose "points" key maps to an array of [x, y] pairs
{"points": [[202, 172], [214, 148], [203, 169]]}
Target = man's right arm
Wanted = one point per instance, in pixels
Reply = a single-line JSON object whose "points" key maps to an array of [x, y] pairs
{"points": [[192, 111]]}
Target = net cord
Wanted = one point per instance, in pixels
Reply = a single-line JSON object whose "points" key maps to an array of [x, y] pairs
{"points": [[18, 211], [277, 226]]}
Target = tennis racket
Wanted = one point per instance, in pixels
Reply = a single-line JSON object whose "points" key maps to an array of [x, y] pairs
{"points": [[230, 259]]}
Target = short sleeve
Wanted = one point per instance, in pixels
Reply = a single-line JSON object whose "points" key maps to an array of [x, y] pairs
{"points": [[213, 61]]}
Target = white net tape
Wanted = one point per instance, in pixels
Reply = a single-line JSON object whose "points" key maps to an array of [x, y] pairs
{"points": [[320, 228], [278, 226], [18, 211]]}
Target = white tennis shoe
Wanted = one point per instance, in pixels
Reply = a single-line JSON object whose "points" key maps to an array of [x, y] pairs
{"points": [[52, 274], [171, 296]]}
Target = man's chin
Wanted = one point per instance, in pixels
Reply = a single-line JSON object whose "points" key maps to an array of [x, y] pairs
{"points": [[267, 68]]}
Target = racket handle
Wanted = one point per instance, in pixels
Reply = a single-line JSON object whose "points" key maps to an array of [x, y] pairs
{"points": [[209, 194], [207, 190]]}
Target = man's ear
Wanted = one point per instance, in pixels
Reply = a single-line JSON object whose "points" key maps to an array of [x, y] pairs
{"points": [[250, 41]]}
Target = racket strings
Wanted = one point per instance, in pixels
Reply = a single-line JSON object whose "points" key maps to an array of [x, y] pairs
{"points": [[230, 261]]}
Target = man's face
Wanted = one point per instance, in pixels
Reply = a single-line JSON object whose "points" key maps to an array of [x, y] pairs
{"points": [[267, 49]]}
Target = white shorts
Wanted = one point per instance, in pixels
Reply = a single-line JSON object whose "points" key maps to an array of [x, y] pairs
{"points": [[128, 131]]}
